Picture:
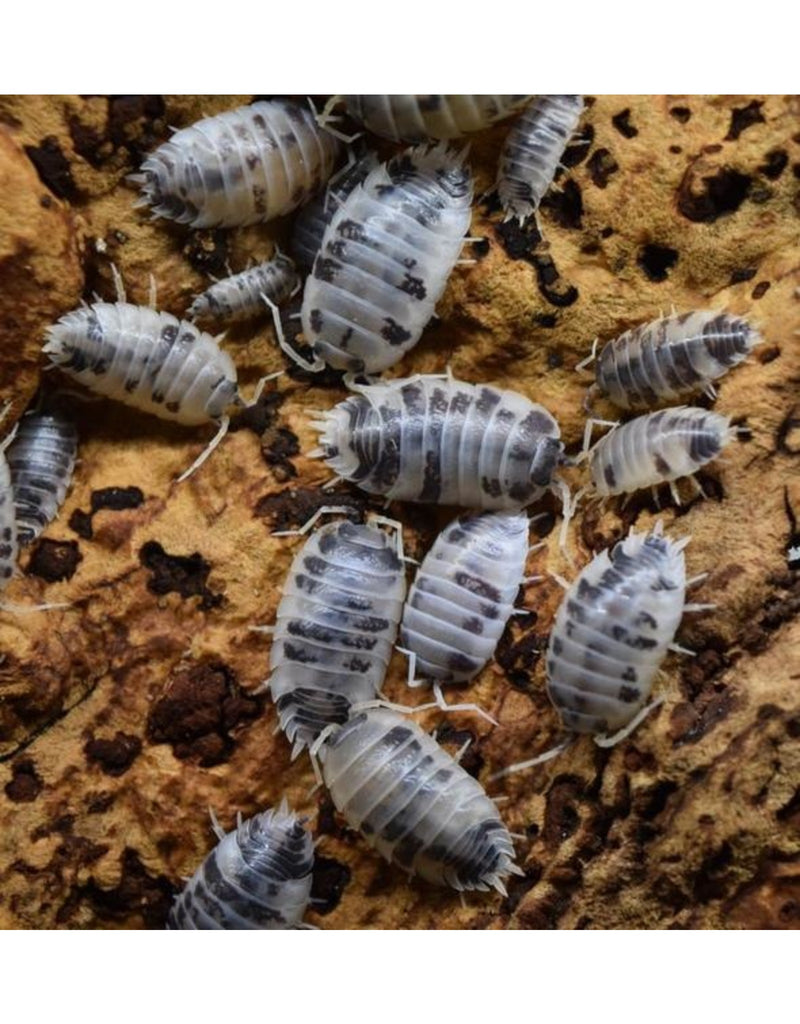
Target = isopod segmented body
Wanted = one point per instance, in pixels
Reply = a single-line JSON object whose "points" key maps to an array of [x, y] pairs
{"points": [[672, 356], [257, 877], [41, 459], [440, 440], [612, 631], [657, 448], [335, 629], [243, 166], [239, 297], [464, 593], [414, 803], [532, 151], [418, 118], [385, 260], [313, 219], [9, 548], [146, 359]]}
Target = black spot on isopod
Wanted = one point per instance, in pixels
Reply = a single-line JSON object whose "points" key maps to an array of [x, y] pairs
{"points": [[622, 122], [681, 114], [54, 560], [722, 193], [657, 260], [774, 164], [53, 168], [180, 574], [394, 333], [608, 476], [743, 117], [413, 286], [325, 269]]}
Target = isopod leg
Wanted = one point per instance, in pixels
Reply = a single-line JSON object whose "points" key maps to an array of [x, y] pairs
{"points": [[213, 443], [309, 523], [635, 722], [314, 367], [442, 704], [548, 755]]}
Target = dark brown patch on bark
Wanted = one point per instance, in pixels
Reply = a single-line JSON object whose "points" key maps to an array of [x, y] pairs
{"points": [[178, 574], [330, 879], [25, 784], [114, 756], [54, 560]]}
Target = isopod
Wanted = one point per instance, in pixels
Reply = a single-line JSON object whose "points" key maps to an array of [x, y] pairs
{"points": [[243, 166], [41, 460], [9, 547], [414, 803], [313, 219], [335, 628], [247, 294], [436, 439], [257, 877], [385, 259], [657, 448], [672, 356], [149, 360], [419, 118], [532, 151], [464, 594]]}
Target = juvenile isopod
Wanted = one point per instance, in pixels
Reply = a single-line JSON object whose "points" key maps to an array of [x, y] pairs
{"points": [[659, 361], [335, 627], [385, 259], [419, 118], [241, 167], [41, 460], [313, 219], [659, 447], [414, 803], [463, 595], [247, 294], [439, 440], [149, 360], [532, 151], [613, 628], [257, 877]]}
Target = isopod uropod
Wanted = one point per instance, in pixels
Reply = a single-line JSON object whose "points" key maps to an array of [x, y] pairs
{"points": [[532, 151], [440, 440], [242, 296], [241, 167], [385, 259], [41, 460], [463, 595], [418, 118], [657, 448], [335, 629], [257, 877], [414, 803], [672, 356]]}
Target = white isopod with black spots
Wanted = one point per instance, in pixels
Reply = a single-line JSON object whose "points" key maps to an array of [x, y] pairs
{"points": [[41, 459], [464, 594], [335, 629], [247, 294], [414, 803], [257, 877], [659, 447], [672, 356], [418, 118], [532, 152], [385, 259], [149, 360], [440, 440], [243, 166], [9, 545]]}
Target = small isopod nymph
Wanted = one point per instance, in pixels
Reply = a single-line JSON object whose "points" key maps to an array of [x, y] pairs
{"points": [[242, 296], [335, 628], [41, 460], [464, 594], [313, 219], [241, 167], [613, 630], [414, 803], [419, 118], [660, 361], [385, 260], [440, 440], [532, 152], [659, 447], [257, 877]]}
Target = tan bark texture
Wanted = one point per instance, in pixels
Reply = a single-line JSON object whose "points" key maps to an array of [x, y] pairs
{"points": [[125, 716]]}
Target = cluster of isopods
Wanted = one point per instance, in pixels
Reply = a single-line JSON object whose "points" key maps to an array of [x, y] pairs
{"points": [[377, 241]]}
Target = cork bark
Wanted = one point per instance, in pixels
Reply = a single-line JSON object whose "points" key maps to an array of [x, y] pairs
{"points": [[124, 717]]}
